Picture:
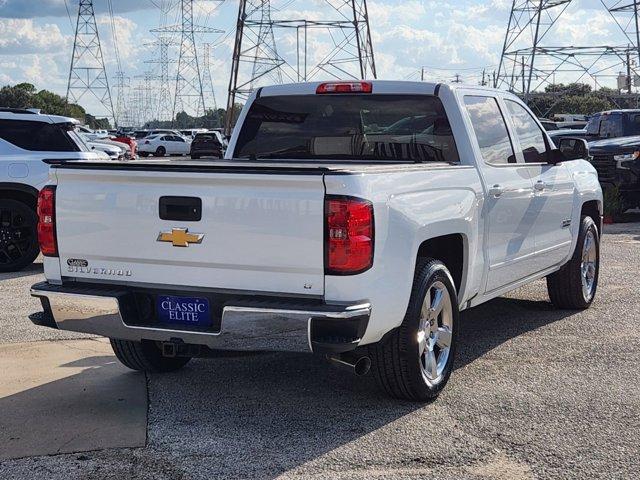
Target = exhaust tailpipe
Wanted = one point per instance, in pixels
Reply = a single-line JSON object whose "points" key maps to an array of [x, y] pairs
{"points": [[357, 364]]}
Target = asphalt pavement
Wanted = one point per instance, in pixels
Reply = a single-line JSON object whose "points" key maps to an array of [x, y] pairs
{"points": [[537, 393]]}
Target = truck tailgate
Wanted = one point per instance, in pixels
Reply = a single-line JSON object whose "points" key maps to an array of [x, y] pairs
{"points": [[261, 232]]}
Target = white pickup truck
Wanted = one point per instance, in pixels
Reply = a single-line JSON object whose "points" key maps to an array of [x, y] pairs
{"points": [[350, 219]]}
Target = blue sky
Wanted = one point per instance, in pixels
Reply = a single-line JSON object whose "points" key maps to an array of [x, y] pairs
{"points": [[447, 37]]}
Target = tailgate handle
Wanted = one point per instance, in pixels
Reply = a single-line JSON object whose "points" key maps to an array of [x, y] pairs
{"points": [[185, 209]]}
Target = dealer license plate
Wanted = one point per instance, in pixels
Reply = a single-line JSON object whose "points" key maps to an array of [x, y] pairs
{"points": [[191, 311]]}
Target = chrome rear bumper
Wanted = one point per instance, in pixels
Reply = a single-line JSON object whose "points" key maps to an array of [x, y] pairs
{"points": [[320, 329]]}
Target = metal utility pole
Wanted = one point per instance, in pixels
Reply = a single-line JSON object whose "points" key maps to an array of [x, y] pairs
{"points": [[87, 74], [256, 60]]}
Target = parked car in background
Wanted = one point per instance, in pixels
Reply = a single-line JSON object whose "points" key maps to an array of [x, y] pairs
{"points": [[614, 140], [138, 134], [208, 144], [168, 131], [326, 230], [549, 125], [192, 132], [163, 144], [114, 150], [26, 139], [130, 142]]}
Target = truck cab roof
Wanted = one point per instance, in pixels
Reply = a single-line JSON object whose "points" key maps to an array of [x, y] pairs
{"points": [[378, 86]]}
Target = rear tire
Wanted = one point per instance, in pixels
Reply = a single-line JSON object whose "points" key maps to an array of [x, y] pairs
{"points": [[574, 286], [145, 356], [18, 235], [416, 360], [161, 152], [195, 157]]}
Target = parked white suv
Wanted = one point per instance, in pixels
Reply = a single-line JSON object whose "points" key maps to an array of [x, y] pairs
{"points": [[26, 139], [349, 219]]}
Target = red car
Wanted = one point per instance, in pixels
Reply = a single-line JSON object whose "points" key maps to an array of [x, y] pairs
{"points": [[129, 141]]}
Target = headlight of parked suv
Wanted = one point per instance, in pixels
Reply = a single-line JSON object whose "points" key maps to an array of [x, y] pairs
{"points": [[622, 161]]}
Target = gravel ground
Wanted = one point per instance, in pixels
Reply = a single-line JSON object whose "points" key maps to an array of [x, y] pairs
{"points": [[537, 393]]}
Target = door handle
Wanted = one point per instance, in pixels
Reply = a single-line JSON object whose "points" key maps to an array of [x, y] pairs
{"points": [[496, 191], [540, 186]]}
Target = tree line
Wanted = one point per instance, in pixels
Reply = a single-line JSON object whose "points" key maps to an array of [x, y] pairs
{"points": [[578, 98], [26, 95]]}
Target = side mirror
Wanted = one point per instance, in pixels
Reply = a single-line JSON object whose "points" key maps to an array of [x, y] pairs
{"points": [[570, 148]]}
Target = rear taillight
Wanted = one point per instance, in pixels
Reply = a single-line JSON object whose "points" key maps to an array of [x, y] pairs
{"points": [[146, 142], [349, 235], [47, 221], [344, 87]]}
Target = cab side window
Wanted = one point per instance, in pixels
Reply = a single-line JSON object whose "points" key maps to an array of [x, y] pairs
{"points": [[534, 147], [490, 129]]}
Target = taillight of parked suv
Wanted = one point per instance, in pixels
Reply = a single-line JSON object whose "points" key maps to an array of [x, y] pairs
{"points": [[47, 222], [349, 235]]}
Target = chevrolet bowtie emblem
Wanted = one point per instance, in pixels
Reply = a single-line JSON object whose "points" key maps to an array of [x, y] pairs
{"points": [[180, 237]]}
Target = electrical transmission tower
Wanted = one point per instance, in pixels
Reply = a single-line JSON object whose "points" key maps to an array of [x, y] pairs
{"points": [[123, 113], [531, 61], [256, 60], [87, 74], [189, 96], [165, 97], [207, 78]]}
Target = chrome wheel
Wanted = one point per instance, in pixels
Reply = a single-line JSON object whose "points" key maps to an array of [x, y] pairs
{"points": [[435, 332], [589, 265]]}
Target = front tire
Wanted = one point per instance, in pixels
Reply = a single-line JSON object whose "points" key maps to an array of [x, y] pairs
{"points": [[145, 356], [18, 235], [416, 361], [574, 286]]}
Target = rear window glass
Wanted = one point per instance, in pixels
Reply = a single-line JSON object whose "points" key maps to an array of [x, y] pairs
{"points": [[405, 128], [206, 136], [37, 136]]}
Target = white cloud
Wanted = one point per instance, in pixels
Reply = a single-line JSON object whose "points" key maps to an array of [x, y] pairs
{"points": [[19, 36]]}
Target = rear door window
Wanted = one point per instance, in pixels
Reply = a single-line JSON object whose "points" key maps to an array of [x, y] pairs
{"points": [[37, 136], [490, 129], [529, 133], [366, 127]]}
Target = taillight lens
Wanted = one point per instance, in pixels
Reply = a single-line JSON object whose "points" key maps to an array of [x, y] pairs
{"points": [[349, 235], [47, 222], [344, 87]]}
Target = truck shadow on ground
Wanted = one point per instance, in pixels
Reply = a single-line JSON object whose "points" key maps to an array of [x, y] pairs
{"points": [[258, 416], [268, 414]]}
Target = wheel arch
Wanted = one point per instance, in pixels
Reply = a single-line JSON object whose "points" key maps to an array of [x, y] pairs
{"points": [[20, 192], [594, 209], [452, 250]]}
